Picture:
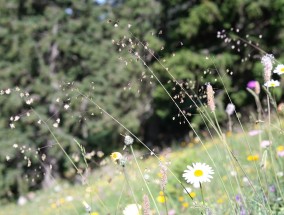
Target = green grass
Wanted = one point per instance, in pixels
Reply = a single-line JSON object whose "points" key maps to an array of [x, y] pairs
{"points": [[109, 182]]}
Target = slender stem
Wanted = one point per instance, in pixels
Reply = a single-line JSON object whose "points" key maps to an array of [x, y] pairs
{"points": [[202, 196], [119, 199], [230, 123], [127, 181], [165, 201], [150, 193]]}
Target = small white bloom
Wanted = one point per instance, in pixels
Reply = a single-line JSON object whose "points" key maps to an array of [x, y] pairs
{"points": [[100, 154], [280, 174], [16, 118], [230, 109], [128, 140], [233, 173], [265, 143], [279, 69], [132, 209], [8, 91], [146, 177], [22, 200], [245, 180], [66, 106], [69, 198], [198, 173], [272, 83], [29, 101]]}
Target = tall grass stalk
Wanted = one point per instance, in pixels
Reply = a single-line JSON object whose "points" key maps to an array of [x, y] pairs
{"points": [[145, 182], [130, 187]]}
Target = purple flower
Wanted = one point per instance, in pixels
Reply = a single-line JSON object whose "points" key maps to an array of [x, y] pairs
{"points": [[251, 84], [238, 198], [272, 189], [243, 211], [280, 153]]}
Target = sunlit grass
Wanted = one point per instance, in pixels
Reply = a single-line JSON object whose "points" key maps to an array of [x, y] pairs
{"points": [[109, 182]]}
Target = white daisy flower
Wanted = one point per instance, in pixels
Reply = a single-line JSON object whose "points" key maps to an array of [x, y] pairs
{"points": [[132, 209], [272, 83], [198, 173], [279, 69]]}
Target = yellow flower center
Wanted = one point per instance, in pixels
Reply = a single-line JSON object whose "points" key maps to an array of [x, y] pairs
{"points": [[282, 70], [280, 148], [198, 173], [115, 156]]}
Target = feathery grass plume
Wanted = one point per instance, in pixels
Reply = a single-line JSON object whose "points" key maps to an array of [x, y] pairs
{"points": [[128, 140], [146, 205], [210, 98], [267, 61], [164, 177]]}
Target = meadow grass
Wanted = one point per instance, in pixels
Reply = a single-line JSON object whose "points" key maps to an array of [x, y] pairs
{"points": [[109, 182], [248, 172]]}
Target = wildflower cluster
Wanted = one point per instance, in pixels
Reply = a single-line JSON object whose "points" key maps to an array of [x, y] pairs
{"points": [[267, 61]]}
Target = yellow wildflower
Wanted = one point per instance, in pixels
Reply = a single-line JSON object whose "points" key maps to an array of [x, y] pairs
{"points": [[161, 199], [115, 156], [180, 199], [229, 134], [253, 158], [192, 194], [220, 200], [61, 201], [185, 205]]}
